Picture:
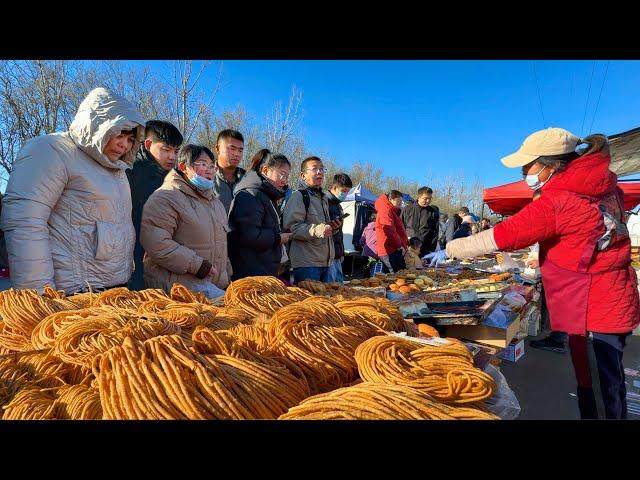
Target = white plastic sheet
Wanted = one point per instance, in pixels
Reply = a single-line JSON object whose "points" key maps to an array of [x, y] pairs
{"points": [[503, 403]]}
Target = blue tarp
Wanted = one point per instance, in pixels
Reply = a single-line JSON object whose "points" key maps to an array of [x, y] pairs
{"points": [[360, 193]]}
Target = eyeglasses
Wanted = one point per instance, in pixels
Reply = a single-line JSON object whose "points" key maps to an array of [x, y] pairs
{"points": [[317, 170], [282, 176], [208, 166]]}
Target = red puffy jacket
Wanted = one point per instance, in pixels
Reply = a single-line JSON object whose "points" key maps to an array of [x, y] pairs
{"points": [[390, 232], [586, 289]]}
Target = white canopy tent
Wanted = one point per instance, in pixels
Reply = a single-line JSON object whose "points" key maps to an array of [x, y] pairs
{"points": [[358, 193]]}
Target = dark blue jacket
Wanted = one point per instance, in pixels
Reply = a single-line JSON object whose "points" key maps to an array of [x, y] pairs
{"points": [[254, 240]]}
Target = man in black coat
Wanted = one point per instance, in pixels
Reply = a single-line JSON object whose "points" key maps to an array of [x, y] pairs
{"points": [[155, 158], [421, 219], [337, 193]]}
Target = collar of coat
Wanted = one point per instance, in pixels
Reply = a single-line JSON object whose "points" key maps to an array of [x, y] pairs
{"points": [[176, 179], [239, 173], [302, 185], [253, 180], [145, 158]]}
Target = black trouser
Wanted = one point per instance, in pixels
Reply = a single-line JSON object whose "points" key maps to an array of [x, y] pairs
{"points": [[601, 384], [396, 259], [136, 282]]}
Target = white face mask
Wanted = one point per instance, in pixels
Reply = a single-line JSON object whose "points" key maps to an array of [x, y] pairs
{"points": [[533, 181]]}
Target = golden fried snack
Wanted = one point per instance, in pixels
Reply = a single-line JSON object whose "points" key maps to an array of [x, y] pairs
{"points": [[261, 295], [80, 341], [149, 294], [31, 404], [162, 379], [154, 306], [83, 300], [379, 401], [45, 333], [315, 336], [445, 372], [180, 293], [51, 293], [77, 402], [120, 297], [21, 312], [188, 315], [427, 330]]}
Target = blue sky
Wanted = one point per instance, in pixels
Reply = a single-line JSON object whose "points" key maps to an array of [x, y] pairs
{"points": [[411, 117]]}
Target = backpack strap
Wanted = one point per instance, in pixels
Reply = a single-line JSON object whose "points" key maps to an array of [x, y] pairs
{"points": [[306, 199]]}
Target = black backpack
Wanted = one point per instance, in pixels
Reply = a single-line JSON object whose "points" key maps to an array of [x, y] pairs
{"points": [[306, 199]]}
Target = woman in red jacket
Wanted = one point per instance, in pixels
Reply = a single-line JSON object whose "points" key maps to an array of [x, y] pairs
{"points": [[591, 288], [391, 236]]}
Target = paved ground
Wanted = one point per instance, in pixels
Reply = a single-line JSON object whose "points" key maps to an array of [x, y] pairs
{"points": [[544, 382]]}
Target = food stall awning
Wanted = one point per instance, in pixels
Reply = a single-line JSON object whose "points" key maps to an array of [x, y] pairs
{"points": [[510, 198], [625, 152]]}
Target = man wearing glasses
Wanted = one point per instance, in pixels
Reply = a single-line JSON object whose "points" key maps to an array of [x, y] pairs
{"points": [[312, 249], [229, 150]]}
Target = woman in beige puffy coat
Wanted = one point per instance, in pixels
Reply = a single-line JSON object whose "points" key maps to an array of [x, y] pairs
{"points": [[66, 214], [184, 227]]}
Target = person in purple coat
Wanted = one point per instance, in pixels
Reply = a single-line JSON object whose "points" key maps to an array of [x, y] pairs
{"points": [[368, 238]]}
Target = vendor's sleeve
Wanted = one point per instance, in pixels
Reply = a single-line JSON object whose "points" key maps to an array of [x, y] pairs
{"points": [[472, 246], [534, 223]]}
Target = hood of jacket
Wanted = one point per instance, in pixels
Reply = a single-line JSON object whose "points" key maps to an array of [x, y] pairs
{"points": [[255, 181], [101, 116], [588, 175]]}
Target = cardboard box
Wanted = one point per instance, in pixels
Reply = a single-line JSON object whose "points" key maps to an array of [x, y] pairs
{"points": [[497, 337], [514, 351]]}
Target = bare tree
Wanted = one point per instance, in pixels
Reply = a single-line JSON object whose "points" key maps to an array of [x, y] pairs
{"points": [[282, 126], [189, 101], [33, 96]]}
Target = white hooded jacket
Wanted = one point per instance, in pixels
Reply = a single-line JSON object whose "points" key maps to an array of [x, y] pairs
{"points": [[67, 209]]}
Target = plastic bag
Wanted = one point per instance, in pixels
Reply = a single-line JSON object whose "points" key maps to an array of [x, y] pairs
{"points": [[500, 317], [508, 263], [514, 301], [503, 403], [209, 289]]}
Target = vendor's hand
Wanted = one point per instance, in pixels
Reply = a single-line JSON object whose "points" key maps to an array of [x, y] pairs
{"points": [[532, 262], [213, 272], [436, 257], [285, 237]]}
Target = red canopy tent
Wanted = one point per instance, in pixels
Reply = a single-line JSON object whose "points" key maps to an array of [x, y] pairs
{"points": [[510, 198]]}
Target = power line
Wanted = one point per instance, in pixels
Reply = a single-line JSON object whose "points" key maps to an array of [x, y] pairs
{"points": [[600, 95], [535, 75], [588, 94]]}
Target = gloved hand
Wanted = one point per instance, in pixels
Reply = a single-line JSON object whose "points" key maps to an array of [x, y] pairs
{"points": [[436, 257]]}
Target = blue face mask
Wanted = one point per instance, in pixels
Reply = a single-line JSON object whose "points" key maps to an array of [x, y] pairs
{"points": [[534, 180], [202, 183], [342, 196]]}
